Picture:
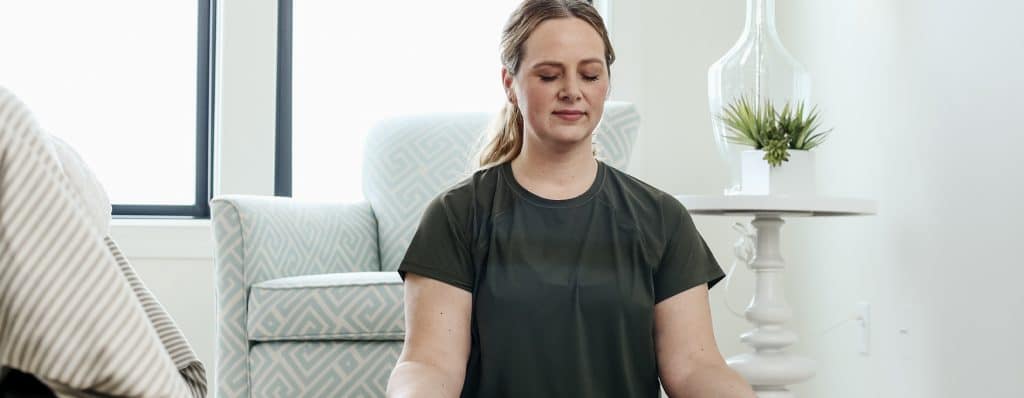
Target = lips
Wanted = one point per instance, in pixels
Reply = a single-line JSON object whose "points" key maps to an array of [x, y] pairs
{"points": [[569, 114]]}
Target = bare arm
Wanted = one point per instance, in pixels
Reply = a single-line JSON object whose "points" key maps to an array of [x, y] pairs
{"points": [[437, 339], [689, 362]]}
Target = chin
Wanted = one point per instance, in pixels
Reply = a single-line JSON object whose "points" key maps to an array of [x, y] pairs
{"points": [[569, 134], [556, 131]]}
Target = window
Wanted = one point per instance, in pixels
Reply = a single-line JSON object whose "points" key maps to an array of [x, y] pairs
{"points": [[346, 65], [126, 84]]}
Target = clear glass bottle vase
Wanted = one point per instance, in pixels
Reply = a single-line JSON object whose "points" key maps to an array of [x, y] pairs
{"points": [[758, 67]]}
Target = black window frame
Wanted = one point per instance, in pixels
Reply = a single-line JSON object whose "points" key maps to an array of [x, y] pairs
{"points": [[205, 67], [283, 133]]}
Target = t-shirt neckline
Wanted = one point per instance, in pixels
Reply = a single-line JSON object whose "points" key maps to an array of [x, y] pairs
{"points": [[510, 180]]}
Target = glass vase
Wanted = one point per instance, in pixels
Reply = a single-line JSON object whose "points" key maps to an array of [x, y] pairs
{"points": [[758, 67]]}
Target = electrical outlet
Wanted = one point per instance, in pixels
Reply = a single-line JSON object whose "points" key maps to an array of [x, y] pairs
{"points": [[864, 320]]}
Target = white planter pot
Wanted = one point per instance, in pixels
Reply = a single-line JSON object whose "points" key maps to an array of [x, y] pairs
{"points": [[795, 177]]}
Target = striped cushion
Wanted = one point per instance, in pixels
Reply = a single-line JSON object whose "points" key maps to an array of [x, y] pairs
{"points": [[343, 306], [94, 198], [173, 339], [62, 287]]}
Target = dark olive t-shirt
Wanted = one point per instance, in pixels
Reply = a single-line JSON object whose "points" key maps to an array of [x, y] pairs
{"points": [[563, 290]]}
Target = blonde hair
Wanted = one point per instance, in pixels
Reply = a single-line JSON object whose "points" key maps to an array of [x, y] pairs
{"points": [[506, 131]]}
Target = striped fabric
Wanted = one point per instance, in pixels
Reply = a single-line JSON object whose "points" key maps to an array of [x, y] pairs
{"points": [[72, 311], [174, 342]]}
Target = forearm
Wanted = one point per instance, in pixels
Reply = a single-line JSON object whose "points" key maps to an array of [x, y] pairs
{"points": [[414, 379], [718, 381]]}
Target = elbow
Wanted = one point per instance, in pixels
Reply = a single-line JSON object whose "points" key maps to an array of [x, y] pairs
{"points": [[394, 385], [417, 379], [716, 380]]}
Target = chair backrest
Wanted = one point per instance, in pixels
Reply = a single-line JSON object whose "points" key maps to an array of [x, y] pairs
{"points": [[410, 160]]}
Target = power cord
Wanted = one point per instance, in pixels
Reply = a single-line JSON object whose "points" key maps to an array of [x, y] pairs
{"points": [[745, 249]]}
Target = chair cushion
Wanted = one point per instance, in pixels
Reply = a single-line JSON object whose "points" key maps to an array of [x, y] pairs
{"points": [[322, 368], [342, 306]]}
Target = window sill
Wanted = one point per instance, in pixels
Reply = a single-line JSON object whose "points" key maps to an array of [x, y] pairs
{"points": [[163, 238]]}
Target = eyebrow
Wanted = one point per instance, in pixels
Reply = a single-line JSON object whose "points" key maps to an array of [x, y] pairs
{"points": [[560, 65]]}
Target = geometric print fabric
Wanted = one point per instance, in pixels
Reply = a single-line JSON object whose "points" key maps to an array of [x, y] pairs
{"points": [[350, 369], [344, 306]]}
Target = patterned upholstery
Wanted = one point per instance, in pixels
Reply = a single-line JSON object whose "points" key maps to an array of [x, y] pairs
{"points": [[263, 238], [287, 329], [291, 238], [353, 369], [407, 162], [345, 306]]}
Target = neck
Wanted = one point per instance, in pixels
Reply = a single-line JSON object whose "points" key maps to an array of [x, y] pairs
{"points": [[555, 174]]}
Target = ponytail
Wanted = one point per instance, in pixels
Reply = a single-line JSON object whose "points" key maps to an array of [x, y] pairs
{"points": [[506, 137]]}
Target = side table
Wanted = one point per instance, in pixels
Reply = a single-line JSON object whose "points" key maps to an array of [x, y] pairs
{"points": [[770, 369]]}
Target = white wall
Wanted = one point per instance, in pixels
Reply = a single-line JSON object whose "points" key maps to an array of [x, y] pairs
{"points": [[924, 96], [921, 95]]}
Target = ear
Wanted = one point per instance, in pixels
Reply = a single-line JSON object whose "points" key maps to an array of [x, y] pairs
{"points": [[506, 81]]}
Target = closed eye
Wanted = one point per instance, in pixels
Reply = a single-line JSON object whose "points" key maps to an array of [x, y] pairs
{"points": [[552, 78]]}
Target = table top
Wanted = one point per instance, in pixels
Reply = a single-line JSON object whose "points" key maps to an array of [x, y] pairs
{"points": [[805, 206]]}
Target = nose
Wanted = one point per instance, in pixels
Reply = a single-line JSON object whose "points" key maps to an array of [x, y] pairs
{"points": [[570, 91]]}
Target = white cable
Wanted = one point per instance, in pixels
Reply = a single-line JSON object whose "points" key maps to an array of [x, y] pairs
{"points": [[849, 318], [744, 251], [834, 326], [725, 297]]}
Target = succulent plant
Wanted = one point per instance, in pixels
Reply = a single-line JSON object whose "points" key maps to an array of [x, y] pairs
{"points": [[775, 132], [751, 126], [802, 131], [776, 151]]}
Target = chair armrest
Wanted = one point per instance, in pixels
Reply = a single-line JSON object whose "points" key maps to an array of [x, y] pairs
{"points": [[259, 238]]}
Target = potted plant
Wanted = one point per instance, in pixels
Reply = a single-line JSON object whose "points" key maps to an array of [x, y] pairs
{"points": [[780, 162]]}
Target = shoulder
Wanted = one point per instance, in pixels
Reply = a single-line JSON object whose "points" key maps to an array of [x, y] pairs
{"points": [[467, 191], [656, 214], [460, 203], [628, 193]]}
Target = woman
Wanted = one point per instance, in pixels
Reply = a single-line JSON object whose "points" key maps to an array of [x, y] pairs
{"points": [[548, 273]]}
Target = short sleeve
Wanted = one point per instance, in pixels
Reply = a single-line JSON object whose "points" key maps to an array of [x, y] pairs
{"points": [[687, 261], [439, 248]]}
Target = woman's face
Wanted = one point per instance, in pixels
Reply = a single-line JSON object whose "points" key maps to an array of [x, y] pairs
{"points": [[561, 84]]}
